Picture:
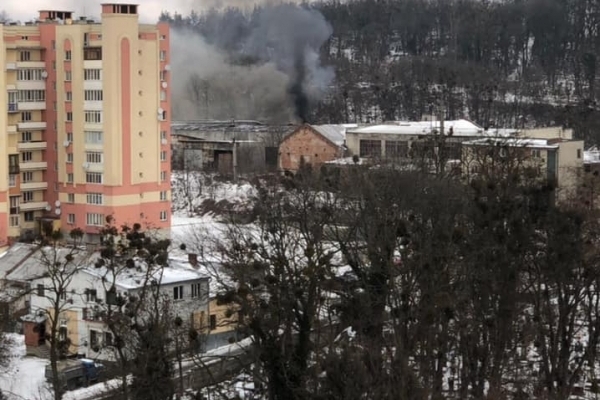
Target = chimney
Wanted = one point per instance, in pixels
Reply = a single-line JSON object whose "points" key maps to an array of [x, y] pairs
{"points": [[193, 259]]}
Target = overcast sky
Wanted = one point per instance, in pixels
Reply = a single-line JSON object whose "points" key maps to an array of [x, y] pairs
{"points": [[149, 10]]}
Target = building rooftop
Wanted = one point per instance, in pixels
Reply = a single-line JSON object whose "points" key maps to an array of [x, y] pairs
{"points": [[461, 127], [335, 133], [515, 142]]}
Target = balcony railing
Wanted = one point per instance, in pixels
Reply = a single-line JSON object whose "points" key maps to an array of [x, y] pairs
{"points": [[31, 166], [13, 169], [33, 205], [31, 125], [32, 145], [34, 186], [32, 105]]}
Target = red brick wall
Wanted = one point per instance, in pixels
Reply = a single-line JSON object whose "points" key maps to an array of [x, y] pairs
{"points": [[304, 142]]}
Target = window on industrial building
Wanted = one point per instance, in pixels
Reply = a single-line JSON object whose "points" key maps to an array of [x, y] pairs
{"points": [[71, 198], [27, 176], [26, 116], [163, 156], [69, 116], [32, 95], [92, 95], [30, 75], [163, 55], [92, 74], [28, 216], [27, 156], [94, 219], [70, 178], [69, 158], [26, 136], [93, 157], [163, 215], [395, 149], [27, 197], [93, 117], [25, 56], [370, 148], [68, 76], [95, 198], [69, 96], [94, 137], [71, 219], [163, 195], [93, 177], [196, 290], [178, 292], [68, 55], [12, 180]]}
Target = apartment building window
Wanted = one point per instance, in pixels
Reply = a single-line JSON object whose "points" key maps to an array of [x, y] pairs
{"points": [[108, 339], [69, 96], [178, 292], [69, 158], [30, 74], [92, 74], [93, 177], [93, 338], [163, 156], [92, 95], [94, 137], [70, 178], [27, 176], [71, 198], [70, 137], [163, 135], [68, 76], [163, 215], [163, 176], [92, 53], [13, 163], [13, 220], [14, 205], [69, 116], [93, 117], [68, 55], [94, 219], [163, 195], [90, 295], [163, 37], [71, 219], [27, 156], [163, 95], [535, 153], [196, 290], [163, 55], [28, 216], [26, 116], [40, 290], [32, 95], [163, 116], [26, 136], [163, 75], [25, 56], [93, 157], [95, 198], [27, 197], [12, 180]]}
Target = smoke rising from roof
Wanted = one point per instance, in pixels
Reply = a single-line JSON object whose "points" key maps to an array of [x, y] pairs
{"points": [[274, 74]]}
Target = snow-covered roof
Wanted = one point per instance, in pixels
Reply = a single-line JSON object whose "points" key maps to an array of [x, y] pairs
{"points": [[461, 127], [134, 278], [13, 257], [514, 142], [335, 133]]}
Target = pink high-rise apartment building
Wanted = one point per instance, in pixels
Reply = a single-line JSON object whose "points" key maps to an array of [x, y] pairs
{"points": [[86, 127]]}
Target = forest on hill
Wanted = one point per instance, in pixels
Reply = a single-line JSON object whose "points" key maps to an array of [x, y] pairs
{"points": [[509, 63]]}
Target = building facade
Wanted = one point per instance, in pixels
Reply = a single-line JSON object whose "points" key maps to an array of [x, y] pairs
{"points": [[86, 131]]}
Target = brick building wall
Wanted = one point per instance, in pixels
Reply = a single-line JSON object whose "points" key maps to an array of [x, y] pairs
{"points": [[308, 145]]}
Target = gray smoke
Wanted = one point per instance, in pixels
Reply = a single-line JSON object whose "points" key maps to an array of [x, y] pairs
{"points": [[284, 78]]}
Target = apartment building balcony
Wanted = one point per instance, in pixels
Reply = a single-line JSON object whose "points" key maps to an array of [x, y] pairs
{"points": [[92, 105], [31, 125], [13, 107], [33, 205], [34, 186], [92, 85], [32, 105], [93, 167], [32, 145], [33, 165], [31, 85], [31, 64]]}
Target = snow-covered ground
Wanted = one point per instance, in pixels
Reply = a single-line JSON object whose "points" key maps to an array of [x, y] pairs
{"points": [[23, 378]]}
